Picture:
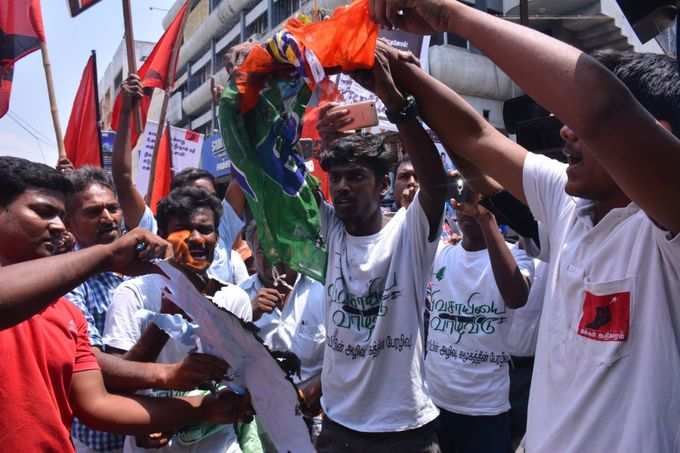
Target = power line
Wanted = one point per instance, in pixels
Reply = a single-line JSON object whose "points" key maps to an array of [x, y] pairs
{"points": [[25, 125]]}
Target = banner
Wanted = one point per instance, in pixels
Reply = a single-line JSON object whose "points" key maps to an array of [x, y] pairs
{"points": [[186, 152], [108, 137], [215, 158]]}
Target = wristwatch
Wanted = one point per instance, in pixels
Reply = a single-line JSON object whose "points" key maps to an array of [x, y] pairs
{"points": [[408, 111]]}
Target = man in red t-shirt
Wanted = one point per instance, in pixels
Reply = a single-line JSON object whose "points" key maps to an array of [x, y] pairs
{"points": [[50, 372]]}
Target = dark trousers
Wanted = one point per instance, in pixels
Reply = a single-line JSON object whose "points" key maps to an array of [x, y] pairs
{"points": [[474, 434], [335, 438]]}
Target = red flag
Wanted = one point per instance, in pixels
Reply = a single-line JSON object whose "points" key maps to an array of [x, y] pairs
{"points": [[155, 71], [162, 172], [82, 143], [78, 6], [21, 32]]}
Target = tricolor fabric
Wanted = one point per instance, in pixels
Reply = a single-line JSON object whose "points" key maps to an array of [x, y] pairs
{"points": [[162, 177], [78, 6], [82, 142], [21, 32], [260, 117], [155, 71]]}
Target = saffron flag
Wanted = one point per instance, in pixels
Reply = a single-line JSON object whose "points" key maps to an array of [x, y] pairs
{"points": [[155, 72], [21, 32], [78, 6], [260, 119], [162, 172], [82, 142]]}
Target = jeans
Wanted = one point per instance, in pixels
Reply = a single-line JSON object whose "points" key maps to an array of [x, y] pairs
{"points": [[474, 434]]}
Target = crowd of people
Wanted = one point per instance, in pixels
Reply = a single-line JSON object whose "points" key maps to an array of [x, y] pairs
{"points": [[417, 341]]}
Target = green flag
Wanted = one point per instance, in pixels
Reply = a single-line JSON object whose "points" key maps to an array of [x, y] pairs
{"points": [[280, 191]]}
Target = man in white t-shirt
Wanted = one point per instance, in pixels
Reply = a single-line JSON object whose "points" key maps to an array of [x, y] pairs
{"points": [[227, 264], [188, 217], [607, 358], [374, 396], [475, 286]]}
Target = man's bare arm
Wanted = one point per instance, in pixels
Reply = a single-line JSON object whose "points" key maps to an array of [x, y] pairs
{"points": [[28, 287], [142, 415], [636, 151], [131, 201]]}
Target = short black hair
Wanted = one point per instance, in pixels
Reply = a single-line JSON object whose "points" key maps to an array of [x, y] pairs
{"points": [[17, 175], [85, 176], [404, 161], [653, 79], [189, 175], [367, 149], [181, 202]]}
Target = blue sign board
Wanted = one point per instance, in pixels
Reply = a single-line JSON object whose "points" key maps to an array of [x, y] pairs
{"points": [[214, 157]]}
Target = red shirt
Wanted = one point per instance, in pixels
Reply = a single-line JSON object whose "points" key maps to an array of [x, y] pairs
{"points": [[39, 357]]}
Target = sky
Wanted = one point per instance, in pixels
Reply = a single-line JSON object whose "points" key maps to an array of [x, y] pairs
{"points": [[69, 41]]}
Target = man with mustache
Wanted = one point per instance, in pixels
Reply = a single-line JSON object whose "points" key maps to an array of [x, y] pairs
{"points": [[607, 360], [188, 217], [94, 217], [51, 372]]}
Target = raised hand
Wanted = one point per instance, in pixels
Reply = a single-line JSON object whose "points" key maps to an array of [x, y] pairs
{"points": [[423, 17], [132, 90]]}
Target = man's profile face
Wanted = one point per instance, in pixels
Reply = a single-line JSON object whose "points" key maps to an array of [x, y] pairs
{"points": [[31, 225], [405, 185], [355, 190], [586, 178], [200, 241], [95, 216]]}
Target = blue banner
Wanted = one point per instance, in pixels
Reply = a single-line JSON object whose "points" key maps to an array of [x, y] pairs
{"points": [[214, 157]]}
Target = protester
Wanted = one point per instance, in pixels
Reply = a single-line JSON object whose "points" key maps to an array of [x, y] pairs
{"points": [[374, 397], [188, 217], [53, 372], [606, 359], [227, 266], [95, 218], [474, 288], [288, 311], [405, 184]]}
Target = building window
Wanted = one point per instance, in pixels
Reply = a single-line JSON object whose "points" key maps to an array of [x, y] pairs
{"points": [[258, 26], [283, 9], [197, 79]]}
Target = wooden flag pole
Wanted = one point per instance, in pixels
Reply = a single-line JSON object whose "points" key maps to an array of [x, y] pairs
{"points": [[97, 109], [53, 100], [132, 60], [166, 100]]}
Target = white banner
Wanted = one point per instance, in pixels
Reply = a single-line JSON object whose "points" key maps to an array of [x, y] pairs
{"points": [[186, 152]]}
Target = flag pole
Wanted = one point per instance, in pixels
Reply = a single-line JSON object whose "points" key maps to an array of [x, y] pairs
{"points": [[166, 99], [97, 109], [53, 100], [132, 60]]}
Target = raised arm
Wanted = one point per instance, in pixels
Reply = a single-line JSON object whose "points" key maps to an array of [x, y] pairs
{"points": [[620, 133], [417, 143], [28, 287], [131, 201]]}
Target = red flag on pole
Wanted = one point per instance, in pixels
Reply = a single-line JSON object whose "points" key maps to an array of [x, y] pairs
{"points": [[21, 32], [163, 170], [78, 6], [155, 70], [82, 141]]}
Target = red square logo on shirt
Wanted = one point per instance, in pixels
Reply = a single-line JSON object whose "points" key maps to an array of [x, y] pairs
{"points": [[605, 318]]}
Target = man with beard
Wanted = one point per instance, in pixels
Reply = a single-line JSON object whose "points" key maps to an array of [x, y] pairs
{"points": [[94, 217], [188, 217]]}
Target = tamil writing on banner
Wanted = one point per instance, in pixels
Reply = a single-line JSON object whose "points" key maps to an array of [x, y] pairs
{"points": [[186, 152]]}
